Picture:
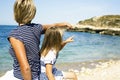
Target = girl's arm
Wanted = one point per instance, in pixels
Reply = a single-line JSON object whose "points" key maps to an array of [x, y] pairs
{"points": [[20, 53], [68, 40], [49, 72], [60, 25]]}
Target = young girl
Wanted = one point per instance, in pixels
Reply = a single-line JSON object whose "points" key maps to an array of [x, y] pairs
{"points": [[51, 46], [25, 41]]}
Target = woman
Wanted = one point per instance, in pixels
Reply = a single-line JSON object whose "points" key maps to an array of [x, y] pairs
{"points": [[25, 41]]}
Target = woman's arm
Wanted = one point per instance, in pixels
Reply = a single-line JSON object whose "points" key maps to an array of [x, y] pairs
{"points": [[20, 53], [49, 72], [60, 25]]}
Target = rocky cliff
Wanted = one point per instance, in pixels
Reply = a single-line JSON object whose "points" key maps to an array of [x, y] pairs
{"points": [[107, 24]]}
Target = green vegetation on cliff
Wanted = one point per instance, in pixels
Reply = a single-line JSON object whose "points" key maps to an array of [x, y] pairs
{"points": [[112, 21], [107, 24]]}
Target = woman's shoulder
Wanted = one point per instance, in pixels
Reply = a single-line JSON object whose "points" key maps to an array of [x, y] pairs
{"points": [[34, 25]]}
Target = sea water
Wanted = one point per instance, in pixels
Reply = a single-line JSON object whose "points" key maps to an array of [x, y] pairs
{"points": [[85, 47]]}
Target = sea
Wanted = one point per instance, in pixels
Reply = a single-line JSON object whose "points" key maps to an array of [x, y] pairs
{"points": [[86, 47]]}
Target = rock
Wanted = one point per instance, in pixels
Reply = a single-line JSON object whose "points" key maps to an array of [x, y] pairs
{"points": [[108, 24]]}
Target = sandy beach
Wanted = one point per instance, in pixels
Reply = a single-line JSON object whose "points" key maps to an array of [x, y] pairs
{"points": [[93, 70], [98, 70]]}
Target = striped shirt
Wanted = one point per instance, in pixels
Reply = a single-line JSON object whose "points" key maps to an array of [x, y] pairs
{"points": [[30, 35]]}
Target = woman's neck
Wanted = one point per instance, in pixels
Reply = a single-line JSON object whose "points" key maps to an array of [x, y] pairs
{"points": [[21, 24]]}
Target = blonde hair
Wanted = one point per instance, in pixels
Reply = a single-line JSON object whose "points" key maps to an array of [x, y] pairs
{"points": [[24, 11], [52, 39]]}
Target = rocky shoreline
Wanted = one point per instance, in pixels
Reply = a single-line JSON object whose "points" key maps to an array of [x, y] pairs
{"points": [[93, 29], [106, 24]]}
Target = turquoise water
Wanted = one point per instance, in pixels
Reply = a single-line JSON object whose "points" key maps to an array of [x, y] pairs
{"points": [[85, 47], [88, 46]]}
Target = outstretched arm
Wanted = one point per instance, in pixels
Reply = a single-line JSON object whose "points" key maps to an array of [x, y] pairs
{"points": [[68, 40], [20, 53], [60, 25]]}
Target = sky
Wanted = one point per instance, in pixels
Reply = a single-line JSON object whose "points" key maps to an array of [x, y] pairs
{"points": [[52, 11]]}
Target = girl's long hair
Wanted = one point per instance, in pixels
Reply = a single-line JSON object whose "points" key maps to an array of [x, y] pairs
{"points": [[52, 40]]}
